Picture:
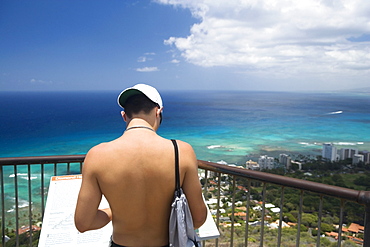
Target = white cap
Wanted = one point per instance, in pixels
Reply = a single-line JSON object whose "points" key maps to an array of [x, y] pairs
{"points": [[147, 90]]}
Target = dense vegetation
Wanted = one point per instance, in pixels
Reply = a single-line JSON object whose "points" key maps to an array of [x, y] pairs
{"points": [[342, 174]]}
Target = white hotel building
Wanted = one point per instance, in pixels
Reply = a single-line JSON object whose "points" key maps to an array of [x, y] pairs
{"points": [[266, 162], [329, 152]]}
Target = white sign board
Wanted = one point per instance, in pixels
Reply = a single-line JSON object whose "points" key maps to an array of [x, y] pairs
{"points": [[58, 227], [209, 229]]}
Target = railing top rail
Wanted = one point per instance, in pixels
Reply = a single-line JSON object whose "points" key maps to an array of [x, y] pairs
{"points": [[362, 197], [41, 159]]}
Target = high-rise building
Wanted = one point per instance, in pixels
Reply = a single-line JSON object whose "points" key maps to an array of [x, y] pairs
{"points": [[285, 160], [347, 153], [357, 158], [366, 158], [266, 162], [329, 152]]}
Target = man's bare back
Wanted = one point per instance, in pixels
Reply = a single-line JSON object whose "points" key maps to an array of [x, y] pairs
{"points": [[139, 187], [136, 174]]}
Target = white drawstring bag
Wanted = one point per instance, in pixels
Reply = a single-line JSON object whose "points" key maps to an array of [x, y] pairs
{"points": [[181, 229]]}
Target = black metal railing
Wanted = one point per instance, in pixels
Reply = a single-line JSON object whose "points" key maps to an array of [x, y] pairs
{"points": [[344, 195], [21, 177], [18, 173]]}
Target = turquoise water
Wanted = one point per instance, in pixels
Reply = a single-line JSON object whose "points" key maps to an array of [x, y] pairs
{"points": [[229, 126]]}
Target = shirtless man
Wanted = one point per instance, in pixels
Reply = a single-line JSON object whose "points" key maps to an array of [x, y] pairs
{"points": [[136, 174]]}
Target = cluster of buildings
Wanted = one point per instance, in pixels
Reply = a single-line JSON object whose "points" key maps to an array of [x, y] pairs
{"points": [[331, 153], [352, 233], [266, 162]]}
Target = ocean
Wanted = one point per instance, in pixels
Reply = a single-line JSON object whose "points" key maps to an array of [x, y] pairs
{"points": [[230, 126]]}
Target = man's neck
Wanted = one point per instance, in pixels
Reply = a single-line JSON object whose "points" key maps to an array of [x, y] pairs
{"points": [[139, 123], [139, 127]]}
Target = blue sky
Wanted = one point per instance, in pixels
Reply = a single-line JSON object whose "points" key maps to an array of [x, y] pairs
{"points": [[282, 45]]}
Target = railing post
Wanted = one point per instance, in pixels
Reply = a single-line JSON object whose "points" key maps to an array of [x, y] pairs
{"points": [[16, 205], [281, 216], [263, 215], [299, 219], [55, 169], [205, 189], [30, 203], [2, 208], [218, 203], [232, 213], [342, 202], [205, 192], [42, 191], [367, 226], [319, 223], [247, 213]]}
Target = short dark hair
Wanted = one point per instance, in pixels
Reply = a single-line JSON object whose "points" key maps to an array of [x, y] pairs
{"points": [[139, 103]]}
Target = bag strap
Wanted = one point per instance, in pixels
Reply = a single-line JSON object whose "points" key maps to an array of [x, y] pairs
{"points": [[177, 169]]}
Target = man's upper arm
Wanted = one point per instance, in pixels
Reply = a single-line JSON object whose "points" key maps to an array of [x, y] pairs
{"points": [[192, 187], [89, 196]]}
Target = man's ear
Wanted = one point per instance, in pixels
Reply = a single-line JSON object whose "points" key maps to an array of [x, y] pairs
{"points": [[159, 114], [159, 111], [124, 116]]}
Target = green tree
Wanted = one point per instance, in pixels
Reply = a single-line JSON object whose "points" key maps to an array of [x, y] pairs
{"points": [[309, 220], [363, 181], [326, 228], [338, 180], [290, 218]]}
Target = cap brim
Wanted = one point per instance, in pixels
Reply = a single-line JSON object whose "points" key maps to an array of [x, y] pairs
{"points": [[122, 98]]}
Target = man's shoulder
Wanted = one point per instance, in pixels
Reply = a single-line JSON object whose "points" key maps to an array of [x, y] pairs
{"points": [[101, 149], [184, 145], [187, 154]]}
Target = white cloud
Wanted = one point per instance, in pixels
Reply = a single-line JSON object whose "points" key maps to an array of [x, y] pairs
{"points": [[283, 37], [175, 61], [147, 69], [141, 59], [145, 58], [35, 81]]}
